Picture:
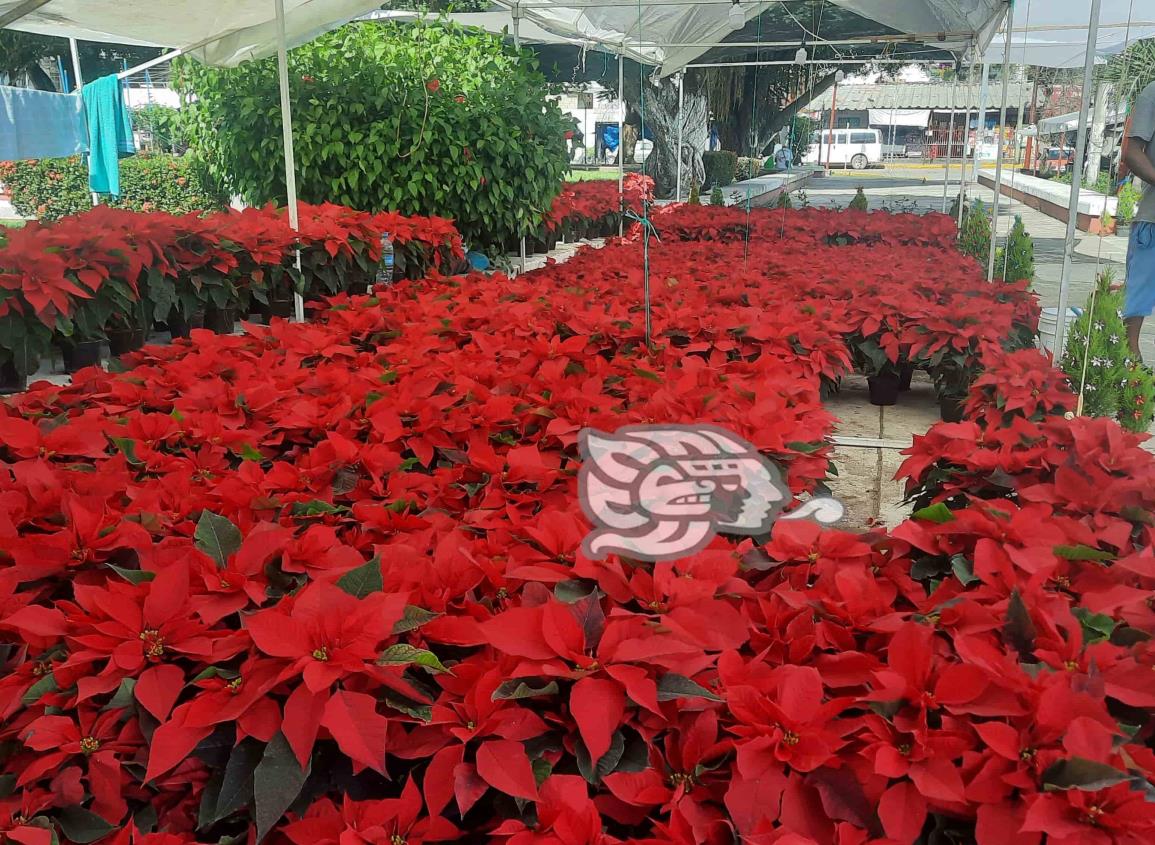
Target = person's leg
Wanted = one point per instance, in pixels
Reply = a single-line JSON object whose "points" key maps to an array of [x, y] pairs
{"points": [[1134, 326], [1139, 296]]}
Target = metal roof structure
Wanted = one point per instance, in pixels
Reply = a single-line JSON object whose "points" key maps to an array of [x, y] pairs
{"points": [[937, 96]]}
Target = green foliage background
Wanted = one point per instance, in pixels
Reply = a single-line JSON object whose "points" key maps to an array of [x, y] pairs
{"points": [[49, 188], [721, 167], [421, 119]]}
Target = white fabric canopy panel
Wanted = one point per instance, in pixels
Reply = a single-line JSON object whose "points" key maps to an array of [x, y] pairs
{"points": [[1053, 33], [217, 32], [673, 35]]}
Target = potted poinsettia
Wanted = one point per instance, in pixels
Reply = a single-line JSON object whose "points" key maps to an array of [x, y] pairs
{"points": [[879, 365]]}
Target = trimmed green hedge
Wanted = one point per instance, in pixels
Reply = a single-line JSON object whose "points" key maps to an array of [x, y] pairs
{"points": [[50, 188], [721, 166]]}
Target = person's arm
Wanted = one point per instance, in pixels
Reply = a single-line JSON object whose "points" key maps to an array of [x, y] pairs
{"points": [[1138, 159]]}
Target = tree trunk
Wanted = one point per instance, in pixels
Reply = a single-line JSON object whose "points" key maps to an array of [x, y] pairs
{"points": [[661, 116], [1098, 129]]}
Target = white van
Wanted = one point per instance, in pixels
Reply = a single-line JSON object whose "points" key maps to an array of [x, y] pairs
{"points": [[857, 149]]}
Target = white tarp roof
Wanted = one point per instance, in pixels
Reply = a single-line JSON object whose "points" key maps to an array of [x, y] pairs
{"points": [[227, 32], [1053, 33], [676, 35], [223, 32]]}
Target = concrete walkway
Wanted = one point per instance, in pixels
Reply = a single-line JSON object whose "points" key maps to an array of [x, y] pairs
{"points": [[865, 481]]}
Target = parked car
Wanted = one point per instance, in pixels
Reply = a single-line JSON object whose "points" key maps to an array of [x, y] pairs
{"points": [[1058, 159], [857, 149]]}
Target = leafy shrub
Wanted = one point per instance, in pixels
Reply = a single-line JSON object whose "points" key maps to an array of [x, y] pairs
{"points": [[164, 125], [1018, 256], [859, 203], [721, 167], [748, 168], [1129, 196], [716, 197], [421, 119], [51, 188]]}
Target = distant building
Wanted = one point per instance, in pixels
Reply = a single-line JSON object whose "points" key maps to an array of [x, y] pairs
{"points": [[915, 118]]}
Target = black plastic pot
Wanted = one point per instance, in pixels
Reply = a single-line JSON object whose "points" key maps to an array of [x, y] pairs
{"points": [[950, 409], [180, 326], [905, 376], [77, 356], [220, 320], [266, 311], [883, 389], [123, 341], [10, 380]]}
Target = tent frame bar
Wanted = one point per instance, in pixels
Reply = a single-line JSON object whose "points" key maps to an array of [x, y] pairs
{"points": [[21, 11], [999, 156], [159, 60], [1076, 181], [783, 62]]}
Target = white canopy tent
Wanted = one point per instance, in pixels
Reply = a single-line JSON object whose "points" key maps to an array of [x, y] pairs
{"points": [[674, 34], [1053, 33]]}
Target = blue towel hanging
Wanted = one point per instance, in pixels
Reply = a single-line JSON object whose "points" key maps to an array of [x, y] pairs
{"points": [[109, 134]]}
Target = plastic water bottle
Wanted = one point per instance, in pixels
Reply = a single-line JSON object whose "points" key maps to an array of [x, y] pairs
{"points": [[385, 269]]}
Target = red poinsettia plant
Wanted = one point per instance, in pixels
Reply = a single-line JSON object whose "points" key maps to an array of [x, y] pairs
{"points": [[325, 582]]}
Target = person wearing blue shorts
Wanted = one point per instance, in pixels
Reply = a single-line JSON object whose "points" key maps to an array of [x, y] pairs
{"points": [[1140, 157]]}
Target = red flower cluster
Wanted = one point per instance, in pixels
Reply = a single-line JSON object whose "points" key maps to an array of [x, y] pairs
{"points": [[585, 204], [324, 584], [48, 270]]}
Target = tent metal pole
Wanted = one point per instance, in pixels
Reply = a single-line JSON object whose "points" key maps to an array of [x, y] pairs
{"points": [[622, 141], [287, 137], [984, 94], [159, 60], [999, 150], [962, 175], [74, 49], [1077, 179], [949, 143], [681, 104], [783, 62], [517, 45]]}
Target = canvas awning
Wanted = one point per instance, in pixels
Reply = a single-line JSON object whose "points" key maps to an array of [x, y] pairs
{"points": [[899, 117]]}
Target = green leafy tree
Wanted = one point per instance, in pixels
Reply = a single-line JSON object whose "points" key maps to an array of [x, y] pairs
{"points": [[716, 197], [421, 119], [860, 203]]}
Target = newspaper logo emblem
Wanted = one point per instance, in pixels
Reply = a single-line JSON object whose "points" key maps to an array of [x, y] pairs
{"points": [[662, 492]]}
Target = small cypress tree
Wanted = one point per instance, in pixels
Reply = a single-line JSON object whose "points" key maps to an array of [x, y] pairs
{"points": [[695, 195], [1018, 256], [860, 203], [975, 235], [716, 197], [1117, 386], [784, 201]]}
